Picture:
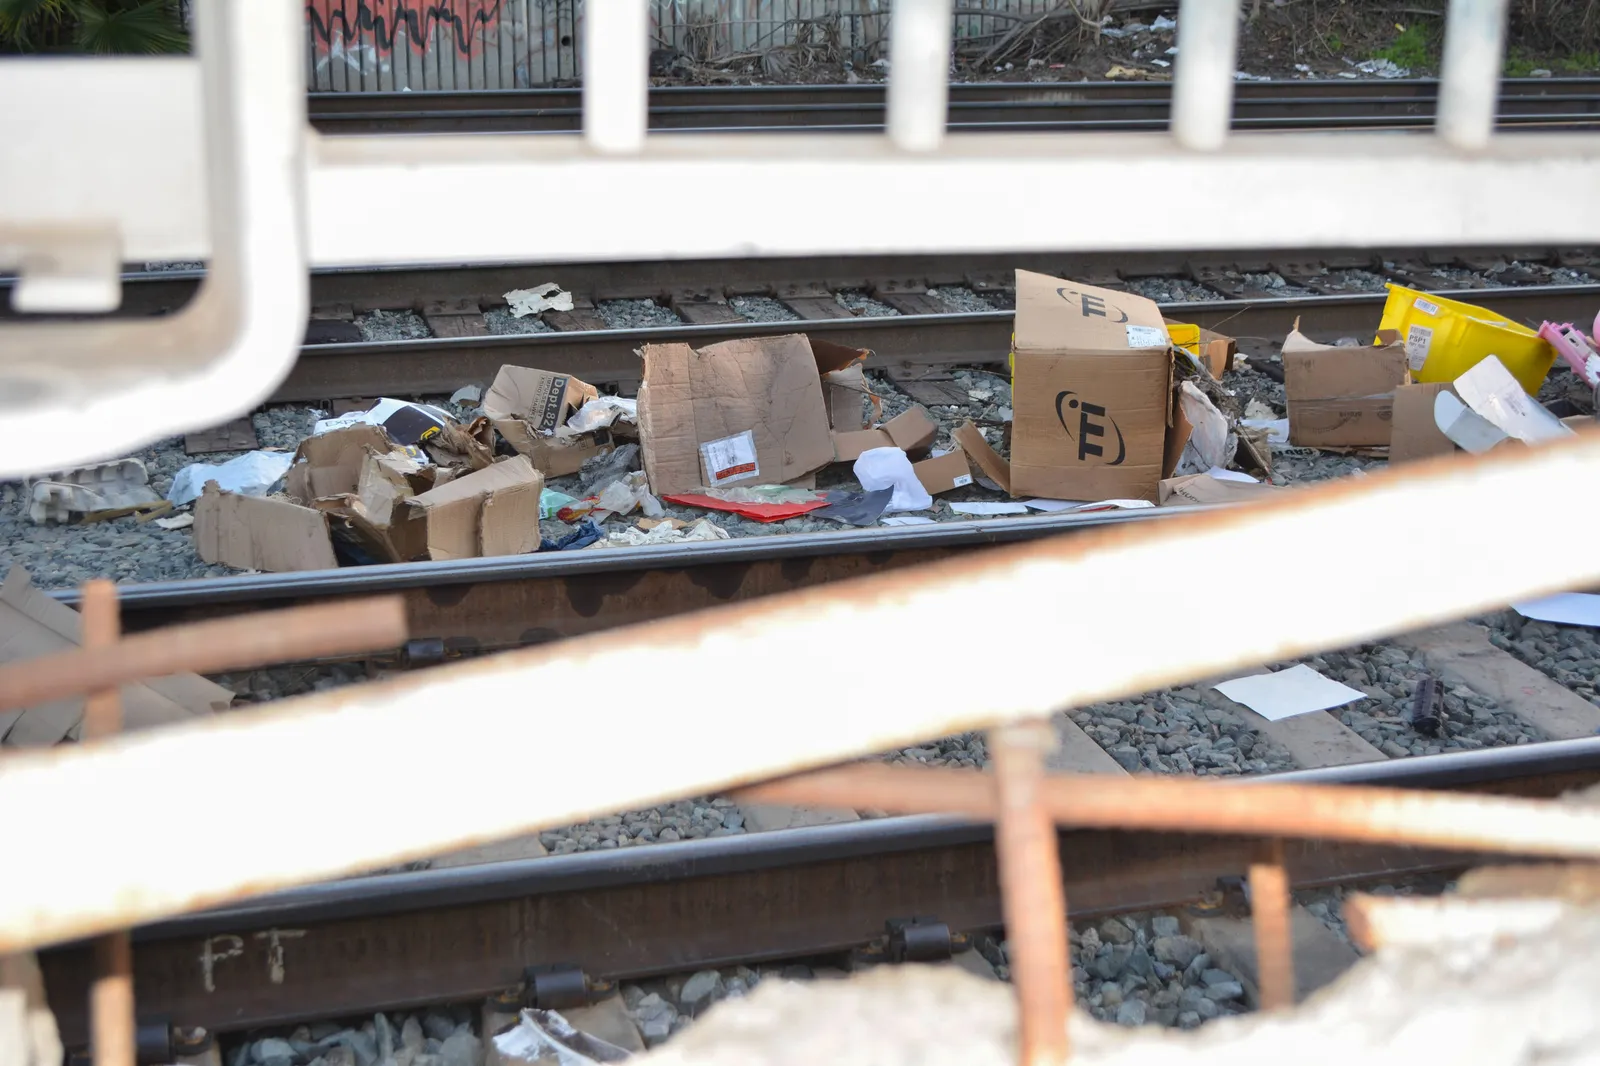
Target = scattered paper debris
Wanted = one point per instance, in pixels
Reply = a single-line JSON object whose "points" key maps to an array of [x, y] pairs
{"points": [[1277, 428], [1286, 693], [908, 520], [1564, 608], [250, 474], [856, 508], [603, 411], [1163, 24], [1383, 68], [662, 533], [466, 394], [1230, 475], [183, 521], [890, 468], [545, 1037], [1077, 506], [405, 422], [987, 507], [1490, 390], [546, 297]]}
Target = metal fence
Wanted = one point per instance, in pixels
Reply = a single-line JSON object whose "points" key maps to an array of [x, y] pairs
{"points": [[413, 45]]}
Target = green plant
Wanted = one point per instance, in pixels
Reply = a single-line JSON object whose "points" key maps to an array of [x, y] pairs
{"points": [[1410, 48], [1333, 42], [98, 27]]}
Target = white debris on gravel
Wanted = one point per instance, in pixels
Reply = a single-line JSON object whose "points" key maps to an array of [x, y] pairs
{"points": [[502, 323], [393, 326], [961, 300], [864, 305], [636, 314], [762, 309]]}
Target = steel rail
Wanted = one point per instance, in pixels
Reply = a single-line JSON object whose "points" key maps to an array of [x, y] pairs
{"points": [[434, 936]]}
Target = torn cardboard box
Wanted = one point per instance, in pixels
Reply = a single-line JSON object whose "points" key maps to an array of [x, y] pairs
{"points": [[260, 533], [33, 624], [844, 391], [530, 408], [488, 512], [1341, 397], [1211, 350], [742, 412], [1092, 395], [912, 431]]}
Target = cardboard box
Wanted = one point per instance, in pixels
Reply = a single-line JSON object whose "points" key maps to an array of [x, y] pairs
{"points": [[1341, 397], [494, 511], [844, 392], [943, 472], [530, 408], [260, 533], [912, 431], [1205, 489], [1414, 433], [1091, 395], [742, 412]]}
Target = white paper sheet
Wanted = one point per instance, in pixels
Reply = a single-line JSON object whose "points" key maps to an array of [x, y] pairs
{"points": [[1489, 389], [1564, 608], [981, 507], [1277, 428], [907, 520], [1052, 506], [1466, 429], [1231, 475], [1058, 506], [1297, 690]]}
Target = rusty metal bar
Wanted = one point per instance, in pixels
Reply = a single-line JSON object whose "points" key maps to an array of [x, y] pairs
{"points": [[112, 1025], [1269, 913], [1034, 903], [224, 644], [1097, 594], [1349, 813]]}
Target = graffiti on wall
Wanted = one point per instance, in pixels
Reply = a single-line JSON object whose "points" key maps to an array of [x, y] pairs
{"points": [[336, 25]]}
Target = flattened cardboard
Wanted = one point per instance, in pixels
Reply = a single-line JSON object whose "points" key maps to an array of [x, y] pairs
{"points": [[527, 406], [260, 533], [769, 386], [912, 430], [494, 511], [1414, 432], [943, 473], [847, 447], [330, 463], [1091, 392], [971, 441], [34, 624], [1341, 397], [1205, 489]]}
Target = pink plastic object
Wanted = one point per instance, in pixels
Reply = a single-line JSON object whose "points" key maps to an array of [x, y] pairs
{"points": [[1575, 348]]}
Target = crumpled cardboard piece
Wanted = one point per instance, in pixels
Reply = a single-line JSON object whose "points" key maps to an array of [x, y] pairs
{"points": [[530, 408], [34, 623], [494, 511]]}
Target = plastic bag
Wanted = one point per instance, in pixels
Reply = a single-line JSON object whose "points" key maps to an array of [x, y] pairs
{"points": [[888, 468], [1211, 443], [250, 474], [602, 412]]}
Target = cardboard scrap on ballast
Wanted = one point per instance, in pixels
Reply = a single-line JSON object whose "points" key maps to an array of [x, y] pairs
{"points": [[530, 409], [1208, 489], [32, 624], [742, 412]]}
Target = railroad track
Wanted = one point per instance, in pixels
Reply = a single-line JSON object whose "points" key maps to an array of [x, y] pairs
{"points": [[1082, 106], [925, 332]]}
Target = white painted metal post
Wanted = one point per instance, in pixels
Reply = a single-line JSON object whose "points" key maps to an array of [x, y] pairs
{"points": [[616, 74], [1469, 71], [919, 73], [1202, 85]]}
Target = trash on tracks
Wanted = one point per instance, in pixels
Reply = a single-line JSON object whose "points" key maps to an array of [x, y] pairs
{"points": [[544, 1036], [1341, 396], [89, 493], [530, 409], [1445, 338], [252, 474]]}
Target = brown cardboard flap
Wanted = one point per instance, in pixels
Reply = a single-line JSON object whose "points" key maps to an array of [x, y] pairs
{"points": [[330, 463], [847, 447], [977, 449], [1056, 315], [1203, 488], [1177, 437], [259, 533], [943, 473], [844, 390], [832, 358], [767, 387], [540, 398], [1414, 434], [912, 430]]}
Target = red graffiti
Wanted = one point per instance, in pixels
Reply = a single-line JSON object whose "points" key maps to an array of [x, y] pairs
{"points": [[380, 21]]}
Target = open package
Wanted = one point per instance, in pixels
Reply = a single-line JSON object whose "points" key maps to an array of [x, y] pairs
{"points": [[532, 409], [353, 493], [1092, 391]]}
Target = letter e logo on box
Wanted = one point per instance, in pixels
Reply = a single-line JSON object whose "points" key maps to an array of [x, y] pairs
{"points": [[1092, 306], [1092, 421]]}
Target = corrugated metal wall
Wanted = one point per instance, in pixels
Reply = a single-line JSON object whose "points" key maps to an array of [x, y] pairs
{"points": [[398, 45]]}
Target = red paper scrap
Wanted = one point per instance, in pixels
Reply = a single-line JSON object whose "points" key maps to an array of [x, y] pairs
{"points": [[761, 512]]}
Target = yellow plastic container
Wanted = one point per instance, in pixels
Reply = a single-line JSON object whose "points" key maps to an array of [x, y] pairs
{"points": [[1185, 335], [1445, 338]]}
